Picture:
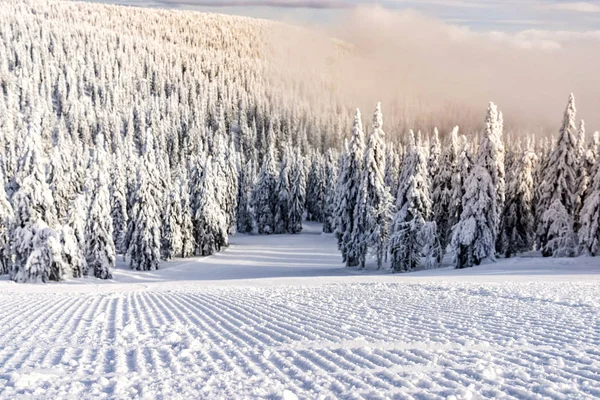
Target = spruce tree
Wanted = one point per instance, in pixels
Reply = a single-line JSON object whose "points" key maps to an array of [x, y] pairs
{"points": [[145, 222], [331, 173], [491, 157], [442, 190], [559, 185], [99, 246], [264, 198], [283, 188], [413, 207], [348, 190], [33, 243], [211, 229], [589, 233], [372, 214], [297, 194], [518, 229], [6, 215], [473, 238]]}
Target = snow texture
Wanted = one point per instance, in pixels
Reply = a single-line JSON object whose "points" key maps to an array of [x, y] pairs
{"points": [[279, 317]]}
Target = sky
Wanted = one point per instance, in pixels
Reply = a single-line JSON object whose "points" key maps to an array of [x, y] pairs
{"points": [[478, 15]]}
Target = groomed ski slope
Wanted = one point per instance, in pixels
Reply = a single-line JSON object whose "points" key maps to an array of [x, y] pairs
{"points": [[278, 317]]}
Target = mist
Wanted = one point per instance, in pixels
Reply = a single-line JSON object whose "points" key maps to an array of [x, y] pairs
{"points": [[429, 73]]}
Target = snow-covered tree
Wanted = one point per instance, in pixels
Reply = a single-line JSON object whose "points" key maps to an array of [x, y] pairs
{"points": [[347, 191], [118, 202], [491, 157], [99, 246], [442, 190], [559, 184], [297, 197], [283, 188], [316, 186], [589, 233], [32, 236], [211, 229], [413, 207], [265, 195], [6, 215], [518, 229], [473, 238], [145, 222], [372, 214], [171, 235], [245, 222], [331, 174]]}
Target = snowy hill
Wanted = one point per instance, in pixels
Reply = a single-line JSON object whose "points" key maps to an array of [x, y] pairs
{"points": [[279, 316]]}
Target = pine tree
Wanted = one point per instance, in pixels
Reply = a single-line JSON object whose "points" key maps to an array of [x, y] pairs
{"points": [[589, 234], [211, 227], [442, 190], [347, 188], [73, 236], [559, 185], [491, 157], [6, 215], [316, 189], [392, 170], [99, 245], [245, 183], [413, 207], [187, 226], [283, 188], [435, 151], [473, 238], [518, 229], [118, 202], [265, 194], [297, 194], [32, 238], [145, 223], [171, 235], [331, 173], [372, 214]]}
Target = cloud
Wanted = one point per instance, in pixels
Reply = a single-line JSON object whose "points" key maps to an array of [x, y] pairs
{"points": [[314, 4], [583, 7], [428, 73]]}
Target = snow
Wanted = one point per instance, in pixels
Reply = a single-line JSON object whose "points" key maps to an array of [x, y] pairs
{"points": [[280, 317]]}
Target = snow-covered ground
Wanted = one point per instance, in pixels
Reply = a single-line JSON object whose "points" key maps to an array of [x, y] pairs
{"points": [[279, 317]]}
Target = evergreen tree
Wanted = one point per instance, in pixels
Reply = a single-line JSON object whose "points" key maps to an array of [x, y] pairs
{"points": [[265, 194], [187, 226], [392, 170], [99, 245], [331, 173], [6, 215], [559, 185], [473, 238], [283, 188], [589, 234], [297, 194], [442, 190], [491, 157], [518, 229], [244, 211], [171, 235], [316, 189], [211, 227], [32, 239], [145, 223], [413, 207], [118, 201], [373, 209], [348, 191]]}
